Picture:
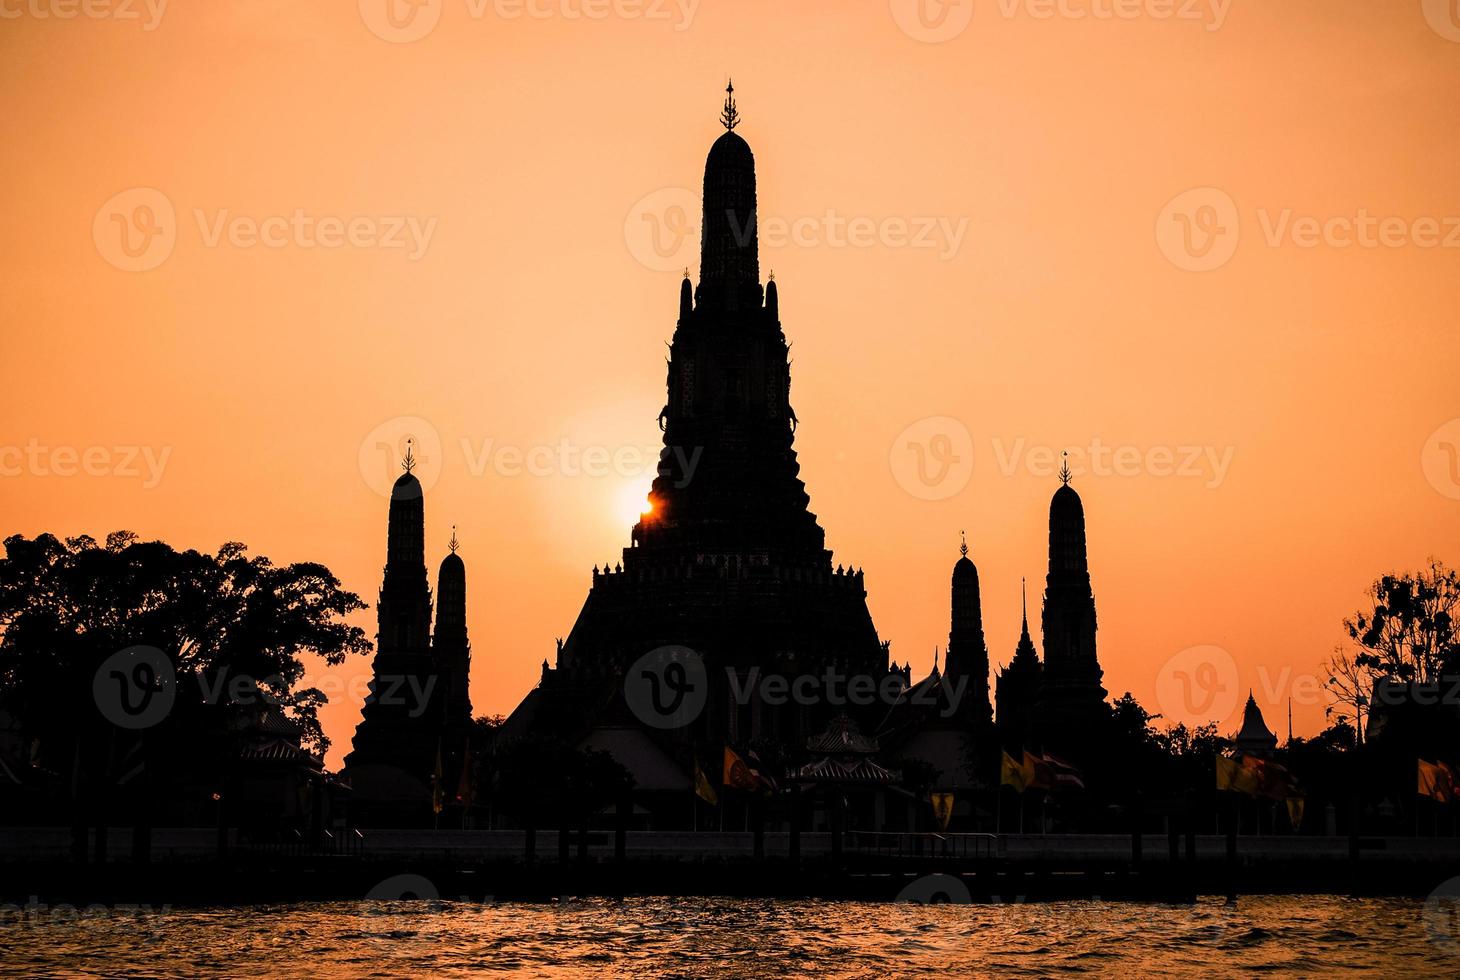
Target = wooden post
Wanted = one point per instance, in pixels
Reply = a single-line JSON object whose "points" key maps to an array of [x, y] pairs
{"points": [[1190, 818], [757, 817], [1232, 804], [621, 829], [1135, 831], [794, 845]]}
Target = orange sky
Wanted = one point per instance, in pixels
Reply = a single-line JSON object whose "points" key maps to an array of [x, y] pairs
{"points": [[532, 147]]}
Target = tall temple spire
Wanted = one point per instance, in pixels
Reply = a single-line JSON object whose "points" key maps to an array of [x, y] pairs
{"points": [[1071, 696], [968, 655], [453, 544], [729, 261], [1065, 474], [729, 116]]}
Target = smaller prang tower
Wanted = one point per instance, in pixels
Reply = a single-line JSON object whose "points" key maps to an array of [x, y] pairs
{"points": [[1017, 689], [968, 655], [1071, 698], [451, 651], [416, 720]]}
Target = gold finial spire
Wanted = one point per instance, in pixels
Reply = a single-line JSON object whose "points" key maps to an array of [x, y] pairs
{"points": [[729, 116], [773, 275], [1065, 473], [453, 544], [1024, 600], [963, 548], [686, 272], [409, 463]]}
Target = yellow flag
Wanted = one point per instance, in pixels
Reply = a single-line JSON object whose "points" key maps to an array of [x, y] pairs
{"points": [[1435, 781], [1235, 777], [1295, 811], [942, 809], [703, 789], [1016, 774]]}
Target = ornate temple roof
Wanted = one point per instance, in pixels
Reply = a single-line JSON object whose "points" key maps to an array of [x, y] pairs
{"points": [[842, 737], [1254, 735]]}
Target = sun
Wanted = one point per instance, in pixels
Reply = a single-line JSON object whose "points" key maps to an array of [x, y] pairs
{"points": [[632, 501]]}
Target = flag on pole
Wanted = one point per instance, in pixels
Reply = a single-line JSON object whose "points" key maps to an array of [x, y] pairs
{"points": [[703, 789], [464, 784], [1436, 781], [1016, 774], [738, 775], [438, 793], [942, 809]]}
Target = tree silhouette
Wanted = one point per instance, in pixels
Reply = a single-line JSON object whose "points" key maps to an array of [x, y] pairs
{"points": [[67, 606]]}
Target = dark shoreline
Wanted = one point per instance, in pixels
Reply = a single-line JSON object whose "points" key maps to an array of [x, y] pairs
{"points": [[1028, 869]]}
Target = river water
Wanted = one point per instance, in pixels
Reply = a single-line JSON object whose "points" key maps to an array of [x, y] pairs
{"points": [[680, 937]]}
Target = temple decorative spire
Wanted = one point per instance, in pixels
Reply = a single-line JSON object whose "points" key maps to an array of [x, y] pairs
{"points": [[409, 463], [729, 116], [453, 544], [963, 548], [1065, 474], [1024, 600]]}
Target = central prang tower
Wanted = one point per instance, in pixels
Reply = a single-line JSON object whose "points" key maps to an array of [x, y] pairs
{"points": [[728, 559]]}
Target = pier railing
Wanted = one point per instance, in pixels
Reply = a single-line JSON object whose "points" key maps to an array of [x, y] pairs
{"points": [[975, 847]]}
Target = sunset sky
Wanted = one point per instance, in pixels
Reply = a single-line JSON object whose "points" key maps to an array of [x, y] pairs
{"points": [[1211, 248]]}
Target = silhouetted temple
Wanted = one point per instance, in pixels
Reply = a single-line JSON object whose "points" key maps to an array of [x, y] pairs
{"points": [[1071, 700], [1017, 690], [728, 560], [413, 730]]}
